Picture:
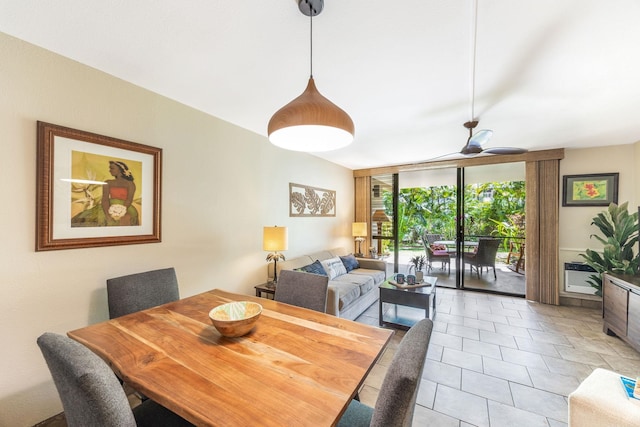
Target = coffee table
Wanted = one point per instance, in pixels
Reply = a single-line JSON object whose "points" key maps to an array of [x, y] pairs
{"points": [[423, 297]]}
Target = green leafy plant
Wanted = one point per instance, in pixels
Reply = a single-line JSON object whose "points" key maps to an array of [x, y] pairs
{"points": [[620, 230], [512, 227], [417, 263]]}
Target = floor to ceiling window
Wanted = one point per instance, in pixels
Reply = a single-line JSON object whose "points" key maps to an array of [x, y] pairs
{"points": [[420, 213], [542, 179]]}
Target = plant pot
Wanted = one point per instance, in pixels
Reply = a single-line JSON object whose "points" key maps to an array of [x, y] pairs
{"points": [[419, 276]]}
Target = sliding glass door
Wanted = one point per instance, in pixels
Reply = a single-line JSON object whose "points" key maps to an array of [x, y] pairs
{"points": [[493, 228], [427, 204], [422, 214]]}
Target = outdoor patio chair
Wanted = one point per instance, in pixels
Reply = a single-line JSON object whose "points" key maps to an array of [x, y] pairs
{"points": [[516, 251], [442, 256], [485, 256], [430, 239]]}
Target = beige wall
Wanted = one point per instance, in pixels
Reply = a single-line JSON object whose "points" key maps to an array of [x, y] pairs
{"points": [[575, 222], [221, 185], [636, 169]]}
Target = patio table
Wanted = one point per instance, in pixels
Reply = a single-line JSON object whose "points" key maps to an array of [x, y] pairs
{"points": [[452, 243]]}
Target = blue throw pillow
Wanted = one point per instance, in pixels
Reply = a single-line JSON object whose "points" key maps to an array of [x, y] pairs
{"points": [[315, 268], [350, 262]]}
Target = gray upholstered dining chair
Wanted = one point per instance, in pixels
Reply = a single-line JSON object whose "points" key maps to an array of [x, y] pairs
{"points": [[302, 289], [397, 397], [135, 292], [485, 256], [90, 393]]}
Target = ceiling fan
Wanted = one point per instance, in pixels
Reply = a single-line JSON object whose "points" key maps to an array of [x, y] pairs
{"points": [[475, 141]]}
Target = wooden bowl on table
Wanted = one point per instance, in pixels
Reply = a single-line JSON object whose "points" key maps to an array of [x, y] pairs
{"points": [[235, 319]]}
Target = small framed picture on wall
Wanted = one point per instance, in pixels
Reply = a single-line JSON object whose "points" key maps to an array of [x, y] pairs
{"points": [[596, 189]]}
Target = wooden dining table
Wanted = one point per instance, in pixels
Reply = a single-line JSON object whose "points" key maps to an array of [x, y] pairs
{"points": [[296, 367]]}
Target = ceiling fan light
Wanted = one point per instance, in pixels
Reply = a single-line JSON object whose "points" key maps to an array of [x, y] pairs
{"points": [[311, 123]]}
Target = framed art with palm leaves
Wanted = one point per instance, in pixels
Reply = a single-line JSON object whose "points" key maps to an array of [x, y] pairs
{"points": [[94, 190], [305, 200]]}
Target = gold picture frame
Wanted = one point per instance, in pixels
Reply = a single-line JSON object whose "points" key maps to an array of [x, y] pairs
{"points": [[75, 171]]}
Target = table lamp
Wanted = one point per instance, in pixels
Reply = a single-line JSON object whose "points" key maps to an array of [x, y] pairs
{"points": [[275, 239], [359, 231]]}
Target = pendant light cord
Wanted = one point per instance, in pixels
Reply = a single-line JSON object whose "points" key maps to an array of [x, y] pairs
{"points": [[310, 40], [474, 35]]}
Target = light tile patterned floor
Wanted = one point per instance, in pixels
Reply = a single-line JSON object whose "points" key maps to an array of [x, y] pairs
{"points": [[500, 361]]}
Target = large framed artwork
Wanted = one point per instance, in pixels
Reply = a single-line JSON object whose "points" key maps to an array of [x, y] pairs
{"points": [[597, 189], [94, 190]]}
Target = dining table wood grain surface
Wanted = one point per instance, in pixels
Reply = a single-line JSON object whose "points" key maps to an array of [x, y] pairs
{"points": [[297, 367]]}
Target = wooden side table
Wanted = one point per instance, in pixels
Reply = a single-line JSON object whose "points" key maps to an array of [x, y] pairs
{"points": [[268, 288]]}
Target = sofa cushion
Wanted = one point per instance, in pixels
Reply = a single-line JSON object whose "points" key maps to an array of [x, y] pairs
{"points": [[377, 275], [350, 262], [364, 282], [334, 267], [347, 292], [314, 268]]}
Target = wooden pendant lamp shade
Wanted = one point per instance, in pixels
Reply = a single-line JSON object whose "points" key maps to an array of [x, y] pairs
{"points": [[311, 122]]}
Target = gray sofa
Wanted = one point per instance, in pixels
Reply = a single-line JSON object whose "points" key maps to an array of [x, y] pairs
{"points": [[349, 294]]}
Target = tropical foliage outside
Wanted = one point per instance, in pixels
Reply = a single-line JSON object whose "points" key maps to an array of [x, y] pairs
{"points": [[491, 209]]}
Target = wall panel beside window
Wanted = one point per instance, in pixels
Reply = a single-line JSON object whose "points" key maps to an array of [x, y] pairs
{"points": [[541, 252], [362, 194]]}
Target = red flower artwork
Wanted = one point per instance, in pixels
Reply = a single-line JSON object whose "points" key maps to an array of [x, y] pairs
{"points": [[591, 190]]}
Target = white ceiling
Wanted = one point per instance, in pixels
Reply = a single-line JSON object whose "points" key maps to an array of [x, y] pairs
{"points": [[549, 73]]}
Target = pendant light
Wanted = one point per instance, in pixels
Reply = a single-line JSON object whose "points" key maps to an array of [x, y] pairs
{"points": [[311, 122]]}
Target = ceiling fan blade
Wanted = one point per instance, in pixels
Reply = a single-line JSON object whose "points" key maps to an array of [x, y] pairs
{"points": [[505, 150], [480, 137], [442, 157]]}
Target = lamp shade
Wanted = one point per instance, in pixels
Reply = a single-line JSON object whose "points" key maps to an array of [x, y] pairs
{"points": [[359, 229], [379, 216], [311, 123], [275, 239]]}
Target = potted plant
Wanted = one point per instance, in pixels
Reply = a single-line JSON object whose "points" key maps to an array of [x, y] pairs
{"points": [[417, 264], [620, 230]]}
